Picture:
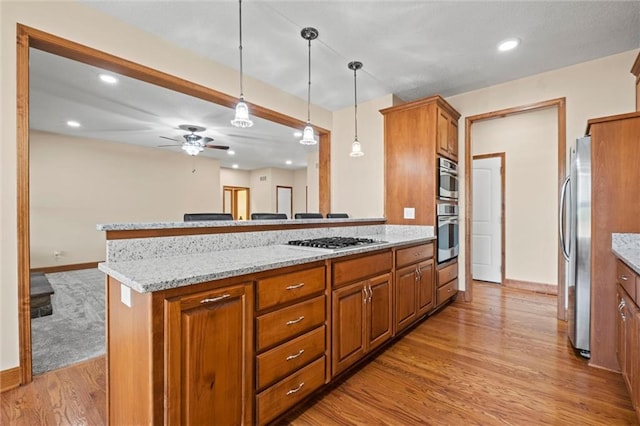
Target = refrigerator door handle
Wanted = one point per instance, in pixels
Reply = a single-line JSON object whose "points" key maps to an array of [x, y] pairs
{"points": [[563, 194]]}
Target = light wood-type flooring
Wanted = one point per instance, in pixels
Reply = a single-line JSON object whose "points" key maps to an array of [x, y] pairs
{"points": [[502, 359]]}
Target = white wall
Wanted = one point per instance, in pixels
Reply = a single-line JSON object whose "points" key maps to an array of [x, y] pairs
{"points": [[261, 198], [313, 181], [529, 141], [592, 89], [77, 22], [300, 190], [357, 184], [76, 183]]}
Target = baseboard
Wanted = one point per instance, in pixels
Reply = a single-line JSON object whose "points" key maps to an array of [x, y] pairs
{"points": [[529, 286], [65, 268], [10, 378]]}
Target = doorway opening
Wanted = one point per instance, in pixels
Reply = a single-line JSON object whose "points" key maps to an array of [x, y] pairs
{"points": [[236, 200], [487, 242]]}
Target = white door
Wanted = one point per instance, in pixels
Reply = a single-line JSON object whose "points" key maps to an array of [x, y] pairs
{"points": [[284, 200], [486, 244]]}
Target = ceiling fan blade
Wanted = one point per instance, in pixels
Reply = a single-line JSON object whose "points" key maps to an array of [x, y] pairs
{"points": [[207, 139], [171, 139], [162, 146], [217, 147]]}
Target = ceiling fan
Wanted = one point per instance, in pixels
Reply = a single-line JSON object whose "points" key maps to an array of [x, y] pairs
{"points": [[194, 144]]}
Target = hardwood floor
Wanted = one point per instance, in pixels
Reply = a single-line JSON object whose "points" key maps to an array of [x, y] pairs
{"points": [[502, 359]]}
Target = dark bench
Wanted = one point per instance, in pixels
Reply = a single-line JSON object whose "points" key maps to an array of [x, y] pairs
{"points": [[41, 292]]}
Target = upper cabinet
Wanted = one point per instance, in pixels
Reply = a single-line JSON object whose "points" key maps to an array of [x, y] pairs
{"points": [[635, 70], [415, 134]]}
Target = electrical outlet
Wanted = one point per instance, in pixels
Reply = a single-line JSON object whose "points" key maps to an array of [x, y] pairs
{"points": [[125, 295], [409, 213]]}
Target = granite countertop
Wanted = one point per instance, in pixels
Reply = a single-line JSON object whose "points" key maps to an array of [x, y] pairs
{"points": [[163, 273], [627, 248], [225, 223]]}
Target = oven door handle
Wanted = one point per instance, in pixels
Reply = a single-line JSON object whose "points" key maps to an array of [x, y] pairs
{"points": [[444, 220], [448, 173]]}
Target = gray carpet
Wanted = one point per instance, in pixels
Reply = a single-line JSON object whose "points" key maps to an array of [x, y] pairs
{"points": [[75, 331]]}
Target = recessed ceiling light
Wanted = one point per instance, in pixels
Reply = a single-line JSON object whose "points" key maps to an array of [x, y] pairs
{"points": [[288, 162], [108, 78], [72, 123], [508, 44], [231, 152], [297, 134], [234, 166]]}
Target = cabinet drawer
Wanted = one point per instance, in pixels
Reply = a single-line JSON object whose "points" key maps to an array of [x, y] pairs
{"points": [[414, 254], [288, 392], [351, 270], [278, 326], [447, 273], [446, 291], [282, 360], [627, 279], [289, 287]]}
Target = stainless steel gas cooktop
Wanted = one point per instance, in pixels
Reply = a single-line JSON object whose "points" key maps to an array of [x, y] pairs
{"points": [[335, 243]]}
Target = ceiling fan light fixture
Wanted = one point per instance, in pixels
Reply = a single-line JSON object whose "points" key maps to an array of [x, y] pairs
{"points": [[241, 119], [308, 137], [309, 33], [192, 149]]}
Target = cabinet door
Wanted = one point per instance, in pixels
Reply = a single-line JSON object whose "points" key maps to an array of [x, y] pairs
{"points": [[442, 133], [348, 315], [426, 287], [405, 296], [380, 323], [452, 139], [208, 354]]}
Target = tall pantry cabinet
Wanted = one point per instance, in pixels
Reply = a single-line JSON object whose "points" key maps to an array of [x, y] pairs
{"points": [[416, 133]]}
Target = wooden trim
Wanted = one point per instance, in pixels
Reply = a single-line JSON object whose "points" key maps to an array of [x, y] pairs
{"points": [[503, 220], [635, 69], [531, 286], [64, 268], [609, 118], [560, 104], [10, 378], [422, 102], [172, 232], [28, 37], [24, 246]]}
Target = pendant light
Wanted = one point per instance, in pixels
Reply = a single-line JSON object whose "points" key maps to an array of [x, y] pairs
{"points": [[242, 110], [356, 149], [308, 138]]}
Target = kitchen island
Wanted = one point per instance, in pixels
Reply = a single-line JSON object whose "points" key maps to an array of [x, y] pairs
{"points": [[225, 323]]}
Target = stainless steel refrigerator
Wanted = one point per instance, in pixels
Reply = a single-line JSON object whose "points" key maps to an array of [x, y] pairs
{"points": [[575, 239]]}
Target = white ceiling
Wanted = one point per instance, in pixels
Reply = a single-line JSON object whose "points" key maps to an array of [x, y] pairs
{"points": [[409, 48]]}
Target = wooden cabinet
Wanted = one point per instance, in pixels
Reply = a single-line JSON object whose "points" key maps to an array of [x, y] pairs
{"points": [[208, 350], [415, 134], [361, 310], [414, 284], [628, 331], [290, 340], [447, 283]]}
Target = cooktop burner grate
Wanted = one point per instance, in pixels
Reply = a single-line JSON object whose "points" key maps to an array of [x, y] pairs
{"points": [[334, 242]]}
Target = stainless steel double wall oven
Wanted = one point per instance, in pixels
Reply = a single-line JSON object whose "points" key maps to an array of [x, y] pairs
{"points": [[447, 211]]}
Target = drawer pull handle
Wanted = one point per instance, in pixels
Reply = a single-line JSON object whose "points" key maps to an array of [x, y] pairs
{"points": [[290, 357], [289, 392], [295, 321], [293, 287], [624, 278], [215, 299]]}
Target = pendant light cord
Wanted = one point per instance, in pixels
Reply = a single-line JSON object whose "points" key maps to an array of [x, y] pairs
{"points": [[355, 103], [309, 88], [240, 26]]}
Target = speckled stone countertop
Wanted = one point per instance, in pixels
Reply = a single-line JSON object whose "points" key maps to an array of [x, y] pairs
{"points": [[223, 223], [627, 248], [183, 268]]}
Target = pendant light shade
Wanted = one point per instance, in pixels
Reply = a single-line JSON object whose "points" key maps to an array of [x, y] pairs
{"points": [[308, 137], [242, 110], [356, 148]]}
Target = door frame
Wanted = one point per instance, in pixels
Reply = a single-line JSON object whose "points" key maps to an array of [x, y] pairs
{"points": [[234, 199], [28, 37], [502, 156], [560, 105]]}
